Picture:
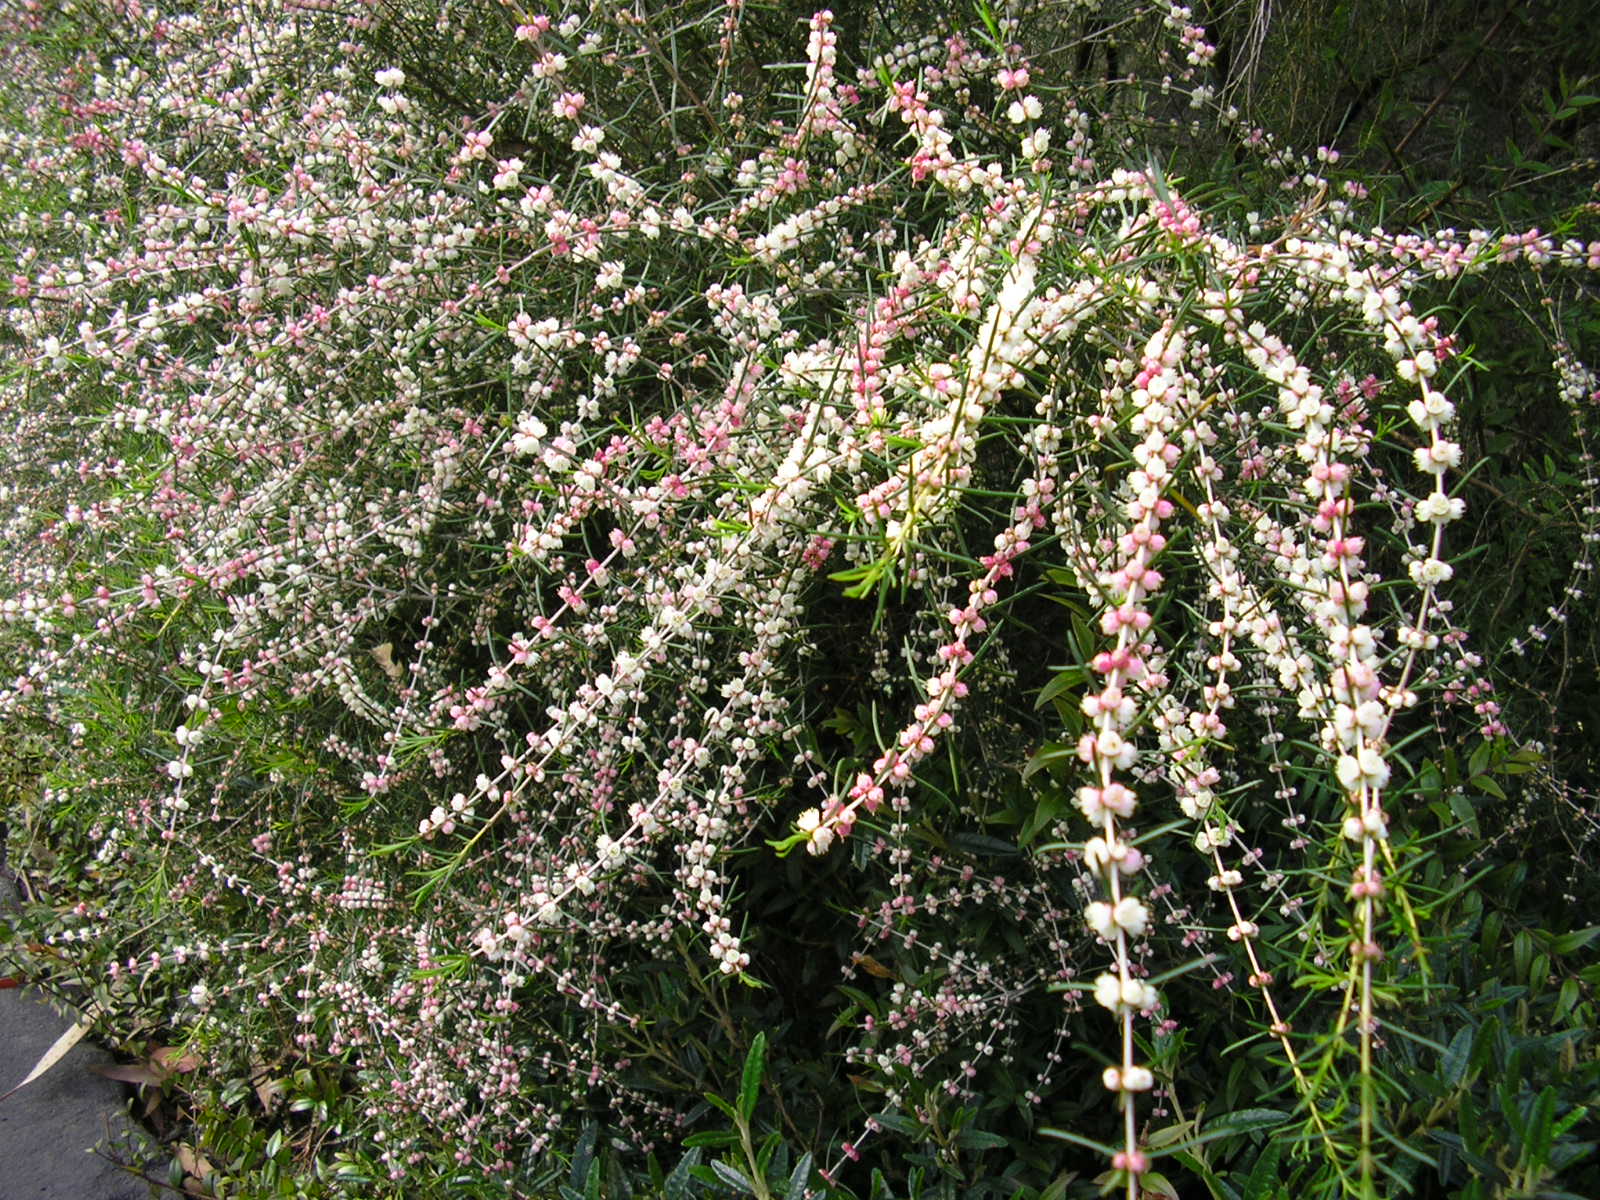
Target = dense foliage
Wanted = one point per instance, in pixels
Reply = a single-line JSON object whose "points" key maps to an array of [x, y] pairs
{"points": [[712, 601]]}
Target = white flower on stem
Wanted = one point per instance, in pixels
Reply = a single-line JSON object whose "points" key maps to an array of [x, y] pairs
{"points": [[819, 836], [1439, 509], [1131, 915], [1026, 109], [1098, 854], [1431, 412], [529, 436], [1428, 571], [1098, 917], [508, 175], [1364, 768], [1134, 995], [1128, 915], [1437, 458], [1108, 991], [1128, 1079]]}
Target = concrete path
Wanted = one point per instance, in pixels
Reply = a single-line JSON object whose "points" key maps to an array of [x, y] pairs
{"points": [[48, 1130]]}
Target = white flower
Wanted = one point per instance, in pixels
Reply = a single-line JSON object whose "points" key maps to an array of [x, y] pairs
{"points": [[1139, 995], [1097, 854], [1108, 991], [1099, 918], [390, 77], [1437, 458], [529, 435], [820, 836], [1429, 571], [1026, 109], [1439, 509], [508, 175], [1131, 915], [1128, 1079], [1135, 995], [1362, 769]]}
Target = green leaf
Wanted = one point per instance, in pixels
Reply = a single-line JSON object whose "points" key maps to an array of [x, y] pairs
{"points": [[1169, 1135], [1483, 1044], [1245, 1120], [1063, 682], [733, 1177], [1045, 811], [1479, 759], [800, 1178], [1471, 1127], [900, 1123], [711, 1181], [1567, 998], [1455, 1143], [1540, 1135], [865, 578], [1047, 755], [750, 1086], [678, 1183], [1522, 954], [1487, 783], [722, 1106], [1077, 1139], [1214, 1184], [583, 1155], [713, 1138], [1264, 1182], [978, 843], [1453, 1063], [978, 1139], [1569, 943]]}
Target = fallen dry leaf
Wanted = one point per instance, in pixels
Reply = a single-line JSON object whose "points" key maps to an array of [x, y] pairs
{"points": [[872, 966], [269, 1091], [139, 1074], [164, 1062], [196, 1169], [174, 1061], [384, 656]]}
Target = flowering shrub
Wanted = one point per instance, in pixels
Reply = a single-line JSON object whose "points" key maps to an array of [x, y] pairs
{"points": [[565, 573]]}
